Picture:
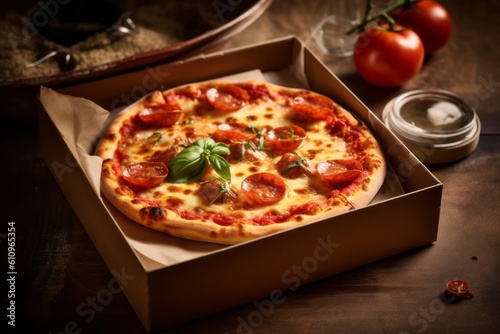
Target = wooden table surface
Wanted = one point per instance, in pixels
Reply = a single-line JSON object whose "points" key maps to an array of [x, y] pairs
{"points": [[58, 267]]}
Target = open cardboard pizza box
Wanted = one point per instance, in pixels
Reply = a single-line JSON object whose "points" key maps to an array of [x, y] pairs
{"points": [[168, 280]]}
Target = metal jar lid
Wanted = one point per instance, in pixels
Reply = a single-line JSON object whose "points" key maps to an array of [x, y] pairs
{"points": [[435, 125]]}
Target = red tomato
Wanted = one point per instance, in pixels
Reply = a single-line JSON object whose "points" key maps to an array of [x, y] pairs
{"points": [[388, 59], [459, 289], [285, 138], [227, 98], [340, 171], [264, 188], [161, 116], [430, 20], [145, 174]]}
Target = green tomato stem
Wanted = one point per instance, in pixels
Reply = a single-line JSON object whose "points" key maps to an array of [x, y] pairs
{"points": [[367, 18]]}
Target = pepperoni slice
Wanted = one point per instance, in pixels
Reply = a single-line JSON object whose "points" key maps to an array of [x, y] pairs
{"points": [[233, 132], [164, 115], [227, 98], [216, 192], [339, 171], [264, 188], [313, 106], [167, 155], [285, 138], [258, 92], [145, 174], [292, 166], [459, 289]]}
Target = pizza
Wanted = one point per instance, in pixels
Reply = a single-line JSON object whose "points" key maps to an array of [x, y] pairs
{"points": [[227, 162]]}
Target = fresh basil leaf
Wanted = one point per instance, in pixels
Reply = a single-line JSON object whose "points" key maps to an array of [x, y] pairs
{"points": [[220, 166], [197, 174], [187, 172], [205, 143], [190, 151], [190, 164], [184, 164], [220, 148], [186, 155]]}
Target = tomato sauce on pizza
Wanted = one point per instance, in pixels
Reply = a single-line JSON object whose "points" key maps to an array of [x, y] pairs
{"points": [[227, 162]]}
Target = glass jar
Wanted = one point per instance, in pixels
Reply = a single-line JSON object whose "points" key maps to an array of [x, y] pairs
{"points": [[332, 20], [435, 125]]}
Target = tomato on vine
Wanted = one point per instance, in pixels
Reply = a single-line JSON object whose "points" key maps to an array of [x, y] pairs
{"points": [[429, 19], [391, 51], [388, 58]]}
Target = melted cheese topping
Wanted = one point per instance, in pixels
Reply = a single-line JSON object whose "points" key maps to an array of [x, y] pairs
{"points": [[318, 146]]}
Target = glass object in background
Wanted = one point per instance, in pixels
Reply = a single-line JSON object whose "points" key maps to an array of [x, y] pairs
{"points": [[332, 19]]}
